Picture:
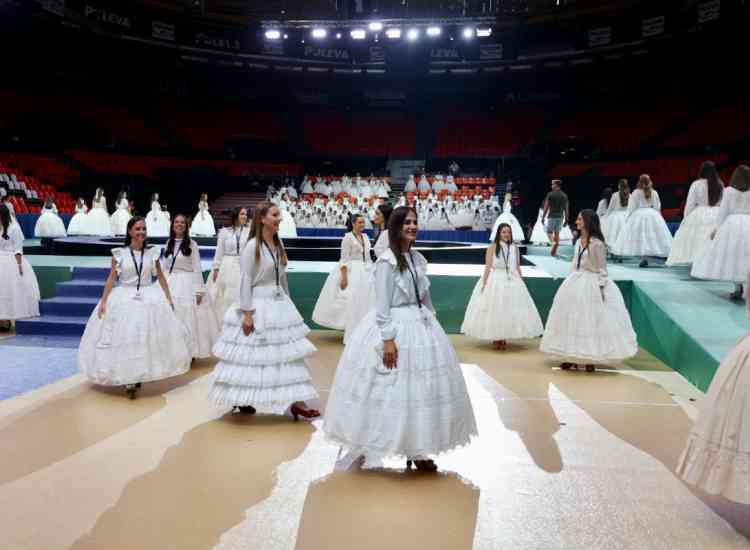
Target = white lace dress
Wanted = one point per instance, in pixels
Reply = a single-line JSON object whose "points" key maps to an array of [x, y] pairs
{"points": [[698, 221], [419, 409], [504, 309], [588, 322], [97, 220], [185, 279], [77, 225], [266, 369], [49, 224], [645, 232], [203, 223], [139, 338], [121, 217], [727, 258], [19, 292]]}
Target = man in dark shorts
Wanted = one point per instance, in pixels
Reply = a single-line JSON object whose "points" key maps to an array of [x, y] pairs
{"points": [[556, 206]]}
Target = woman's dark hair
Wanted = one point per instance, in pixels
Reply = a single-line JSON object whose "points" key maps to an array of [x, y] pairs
{"points": [[235, 219], [351, 220], [154, 197], [4, 220], [134, 220], [709, 173], [498, 239], [741, 178], [646, 185], [395, 228], [386, 210], [49, 203], [607, 194], [623, 189], [120, 196], [185, 244], [592, 224]]}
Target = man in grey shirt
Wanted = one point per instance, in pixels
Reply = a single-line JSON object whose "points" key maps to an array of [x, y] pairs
{"points": [[556, 206]]}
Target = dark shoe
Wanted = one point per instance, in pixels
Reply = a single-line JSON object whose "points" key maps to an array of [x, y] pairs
{"points": [[246, 409], [422, 465], [644, 263]]}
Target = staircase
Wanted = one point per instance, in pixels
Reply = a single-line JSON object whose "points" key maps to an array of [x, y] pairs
{"points": [[221, 208], [66, 314]]}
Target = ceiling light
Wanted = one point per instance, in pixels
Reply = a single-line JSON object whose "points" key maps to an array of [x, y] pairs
{"points": [[376, 26], [393, 33], [468, 32], [319, 33], [358, 34], [483, 33], [273, 34], [433, 31], [413, 34]]}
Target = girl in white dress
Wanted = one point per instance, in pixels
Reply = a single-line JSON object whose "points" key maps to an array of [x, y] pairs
{"points": [[715, 458], [203, 223], [588, 322], [501, 307], [602, 209], [182, 262], [727, 258], [77, 225], [399, 390], [645, 232], [699, 217], [49, 224], [224, 282], [262, 347], [97, 220], [158, 226], [121, 215], [617, 213], [336, 298], [133, 335], [508, 218], [19, 291]]}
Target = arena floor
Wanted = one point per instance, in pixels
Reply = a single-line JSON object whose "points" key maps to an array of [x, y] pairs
{"points": [[563, 460]]}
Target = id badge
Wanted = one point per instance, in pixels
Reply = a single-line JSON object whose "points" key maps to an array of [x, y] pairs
{"points": [[138, 296]]}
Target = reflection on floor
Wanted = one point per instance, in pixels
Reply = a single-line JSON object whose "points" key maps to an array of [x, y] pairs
{"points": [[563, 460]]}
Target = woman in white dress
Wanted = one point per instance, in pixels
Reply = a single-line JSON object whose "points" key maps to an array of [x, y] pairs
{"points": [[501, 307], [336, 298], [224, 282], [182, 262], [49, 224], [97, 220], [203, 223], [133, 335], [588, 322], [727, 258], [77, 225], [382, 215], [288, 229], [617, 213], [121, 215], [157, 223], [645, 232], [399, 390], [262, 347], [19, 291], [602, 209], [508, 217], [699, 217], [715, 458], [539, 234]]}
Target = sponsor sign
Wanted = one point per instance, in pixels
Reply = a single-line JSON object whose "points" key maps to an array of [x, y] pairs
{"points": [[377, 54], [217, 41], [104, 15], [445, 54], [330, 54]]}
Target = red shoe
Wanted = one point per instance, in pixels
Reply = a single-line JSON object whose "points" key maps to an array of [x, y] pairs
{"points": [[304, 413]]}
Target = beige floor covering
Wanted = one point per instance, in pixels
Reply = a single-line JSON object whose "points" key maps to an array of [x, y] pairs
{"points": [[563, 460]]}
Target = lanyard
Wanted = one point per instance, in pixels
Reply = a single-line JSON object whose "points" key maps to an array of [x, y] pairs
{"points": [[138, 268], [237, 239], [580, 255], [414, 278], [175, 253], [506, 258], [275, 262]]}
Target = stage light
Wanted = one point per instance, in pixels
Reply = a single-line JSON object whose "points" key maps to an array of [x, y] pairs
{"points": [[376, 26], [413, 34], [393, 33], [484, 33], [468, 33], [358, 34], [338, 35], [433, 31], [273, 34], [319, 33], [286, 36]]}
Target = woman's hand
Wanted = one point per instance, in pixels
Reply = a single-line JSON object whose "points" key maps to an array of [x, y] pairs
{"points": [[102, 309], [215, 275], [247, 324], [390, 354], [198, 299], [20, 270], [344, 282], [713, 234]]}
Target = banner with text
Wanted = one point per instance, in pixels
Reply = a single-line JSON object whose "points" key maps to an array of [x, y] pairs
{"points": [[323, 53], [115, 17]]}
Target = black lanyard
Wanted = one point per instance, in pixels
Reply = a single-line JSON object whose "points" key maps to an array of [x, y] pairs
{"points": [[138, 268], [580, 255], [175, 253], [414, 278], [506, 258], [276, 262], [237, 239]]}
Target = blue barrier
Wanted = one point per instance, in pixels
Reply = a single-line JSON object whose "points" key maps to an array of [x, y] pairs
{"points": [[28, 221]]}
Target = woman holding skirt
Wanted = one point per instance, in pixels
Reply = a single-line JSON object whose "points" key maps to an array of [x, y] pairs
{"points": [[399, 390], [133, 335], [77, 225], [588, 322], [224, 282], [501, 307], [262, 347], [183, 264], [19, 291]]}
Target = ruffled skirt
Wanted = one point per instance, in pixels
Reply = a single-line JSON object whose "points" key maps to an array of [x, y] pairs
{"points": [[19, 294], [203, 225], [539, 235], [515, 226], [267, 368], [77, 225], [49, 225], [335, 308], [645, 234], [98, 223], [693, 235], [583, 328], [421, 408], [503, 311], [727, 258], [717, 454], [119, 221], [226, 289], [136, 340], [615, 222], [200, 320]]}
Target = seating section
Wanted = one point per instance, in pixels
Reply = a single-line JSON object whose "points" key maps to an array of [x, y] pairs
{"points": [[373, 134], [27, 193]]}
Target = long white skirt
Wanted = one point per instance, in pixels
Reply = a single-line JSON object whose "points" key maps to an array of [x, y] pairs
{"points": [[645, 234], [226, 290], [136, 340], [419, 409], [334, 305], [539, 235], [693, 235], [200, 320], [727, 258], [717, 454], [515, 226], [287, 228], [615, 222], [363, 301], [203, 225], [49, 225], [77, 225], [267, 368], [503, 311], [19, 295], [583, 328], [157, 225], [98, 223], [119, 221]]}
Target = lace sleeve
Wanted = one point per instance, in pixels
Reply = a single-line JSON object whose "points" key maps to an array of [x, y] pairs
{"points": [[348, 250], [598, 261], [384, 281]]}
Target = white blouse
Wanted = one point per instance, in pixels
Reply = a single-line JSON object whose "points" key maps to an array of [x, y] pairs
{"points": [[101, 203], [506, 258], [81, 209], [638, 200], [615, 205], [14, 243], [602, 208], [123, 204], [127, 274], [697, 196], [592, 259], [734, 201], [230, 242], [259, 273], [381, 244], [177, 262], [352, 250]]}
